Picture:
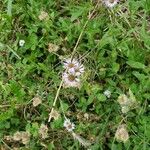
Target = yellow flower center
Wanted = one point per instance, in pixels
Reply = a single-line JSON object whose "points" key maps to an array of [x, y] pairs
{"points": [[70, 65], [71, 77], [70, 126], [111, 1]]}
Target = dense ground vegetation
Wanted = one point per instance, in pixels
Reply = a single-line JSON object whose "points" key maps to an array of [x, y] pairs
{"points": [[114, 47]]}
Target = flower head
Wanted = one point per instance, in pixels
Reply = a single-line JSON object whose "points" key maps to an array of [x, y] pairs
{"points": [[53, 114], [122, 133], [70, 80], [107, 93], [68, 125], [25, 136], [21, 43], [17, 136], [125, 109], [43, 131], [73, 66], [123, 100], [52, 47], [43, 15], [110, 3], [36, 101]]}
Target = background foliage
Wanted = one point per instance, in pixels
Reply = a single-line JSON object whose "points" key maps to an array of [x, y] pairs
{"points": [[115, 50]]}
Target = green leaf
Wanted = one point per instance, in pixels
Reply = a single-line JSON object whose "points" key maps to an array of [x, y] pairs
{"points": [[6, 115], [9, 7], [115, 67], [64, 106], [135, 64], [138, 75], [51, 146], [101, 97], [90, 99]]}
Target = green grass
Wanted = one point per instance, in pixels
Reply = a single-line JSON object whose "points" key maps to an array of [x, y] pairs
{"points": [[114, 46]]}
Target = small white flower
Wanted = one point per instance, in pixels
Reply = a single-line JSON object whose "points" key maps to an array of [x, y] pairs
{"points": [[68, 125], [21, 43], [70, 80], [110, 3], [73, 66], [107, 93]]}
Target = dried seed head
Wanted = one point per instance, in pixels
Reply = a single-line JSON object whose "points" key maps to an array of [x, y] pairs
{"points": [[25, 137], [43, 15], [122, 133], [36, 101], [54, 114], [43, 131], [17, 136], [8, 137], [52, 47], [123, 100]]}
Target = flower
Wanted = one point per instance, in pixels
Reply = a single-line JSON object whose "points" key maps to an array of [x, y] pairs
{"points": [[36, 101], [70, 80], [73, 66], [122, 133], [8, 137], [22, 136], [21, 43], [110, 3], [17, 136], [107, 93], [68, 125], [52, 47], [43, 131], [123, 100], [53, 114], [25, 137], [43, 15], [125, 109]]}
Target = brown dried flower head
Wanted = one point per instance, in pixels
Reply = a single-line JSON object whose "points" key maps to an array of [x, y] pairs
{"points": [[17, 136], [25, 137], [52, 47], [43, 15], [122, 133], [43, 131], [36, 101]]}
